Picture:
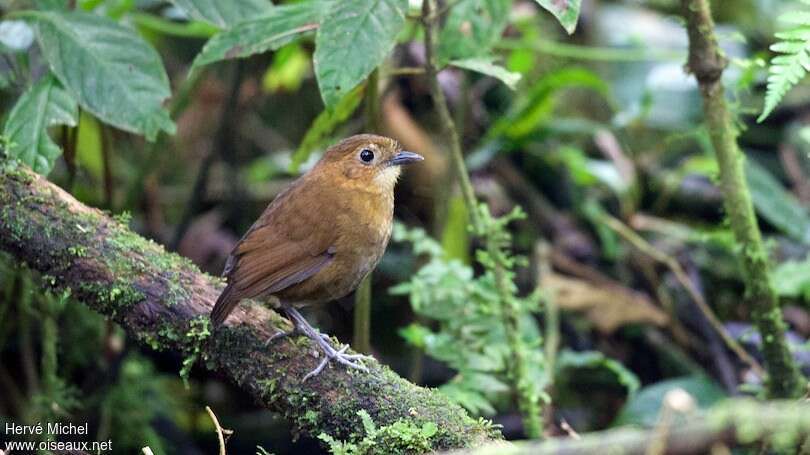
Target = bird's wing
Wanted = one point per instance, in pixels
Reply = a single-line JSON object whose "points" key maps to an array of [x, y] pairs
{"points": [[288, 244]]}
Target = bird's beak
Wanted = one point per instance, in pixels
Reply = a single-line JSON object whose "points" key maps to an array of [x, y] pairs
{"points": [[405, 157]]}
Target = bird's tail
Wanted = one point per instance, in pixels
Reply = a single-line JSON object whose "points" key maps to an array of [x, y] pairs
{"points": [[225, 304]]}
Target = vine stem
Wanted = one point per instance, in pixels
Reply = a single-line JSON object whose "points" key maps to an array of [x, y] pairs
{"points": [[361, 341], [680, 274], [707, 63], [527, 397]]}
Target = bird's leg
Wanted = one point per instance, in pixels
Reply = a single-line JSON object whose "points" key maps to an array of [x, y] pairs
{"points": [[330, 353], [295, 331]]}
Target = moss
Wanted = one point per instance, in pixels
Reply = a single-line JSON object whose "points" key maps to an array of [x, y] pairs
{"points": [[77, 251], [401, 437]]}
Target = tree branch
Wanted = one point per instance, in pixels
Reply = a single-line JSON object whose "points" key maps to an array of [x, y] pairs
{"points": [[739, 422], [163, 300], [706, 62]]}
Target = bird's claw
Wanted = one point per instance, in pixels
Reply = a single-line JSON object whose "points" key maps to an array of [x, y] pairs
{"points": [[282, 334], [354, 361], [348, 360], [290, 333]]}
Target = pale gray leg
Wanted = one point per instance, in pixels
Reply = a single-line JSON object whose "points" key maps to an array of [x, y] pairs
{"points": [[322, 340]]}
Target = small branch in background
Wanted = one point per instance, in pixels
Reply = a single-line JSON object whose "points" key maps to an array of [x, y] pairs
{"points": [[735, 422], [405, 71], [106, 146], [27, 355], [794, 171], [222, 433], [69, 136], [523, 385], [222, 139], [643, 246], [362, 296], [706, 62], [361, 341], [155, 149]]}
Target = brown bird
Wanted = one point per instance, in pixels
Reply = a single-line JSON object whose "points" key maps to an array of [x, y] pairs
{"points": [[320, 237]]}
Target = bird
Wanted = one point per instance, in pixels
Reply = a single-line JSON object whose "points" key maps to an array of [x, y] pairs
{"points": [[319, 238]]}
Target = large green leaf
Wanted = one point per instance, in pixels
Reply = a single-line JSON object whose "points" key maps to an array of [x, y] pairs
{"points": [[472, 28], [590, 360], [355, 37], [792, 279], [488, 67], [775, 204], [278, 27], [645, 406], [110, 70], [45, 104], [566, 12], [223, 13]]}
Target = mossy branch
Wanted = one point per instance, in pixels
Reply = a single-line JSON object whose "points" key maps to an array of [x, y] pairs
{"points": [[784, 425], [706, 62], [163, 301]]}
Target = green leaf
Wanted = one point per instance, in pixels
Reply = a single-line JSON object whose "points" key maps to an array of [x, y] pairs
{"points": [[161, 25], [455, 236], [566, 12], [472, 28], [776, 205], [324, 124], [792, 62], [52, 4], [44, 105], [487, 66], [594, 359], [792, 279], [354, 38], [278, 27], [644, 407], [109, 69], [429, 429], [535, 109], [223, 13]]}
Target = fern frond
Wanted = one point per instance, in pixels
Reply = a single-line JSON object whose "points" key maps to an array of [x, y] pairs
{"points": [[793, 63]]}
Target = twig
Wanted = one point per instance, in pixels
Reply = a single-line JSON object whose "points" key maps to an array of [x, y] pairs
{"points": [[528, 399], [735, 422], [794, 171], [706, 62], [362, 297], [154, 150], [220, 144], [642, 245], [221, 432], [405, 71]]}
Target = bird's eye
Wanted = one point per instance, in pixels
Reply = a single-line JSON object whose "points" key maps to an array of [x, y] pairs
{"points": [[366, 155]]}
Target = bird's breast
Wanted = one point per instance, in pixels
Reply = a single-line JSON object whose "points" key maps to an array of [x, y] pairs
{"points": [[364, 229]]}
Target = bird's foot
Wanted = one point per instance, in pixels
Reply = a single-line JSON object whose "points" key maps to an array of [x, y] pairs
{"points": [[323, 341], [289, 333], [354, 361]]}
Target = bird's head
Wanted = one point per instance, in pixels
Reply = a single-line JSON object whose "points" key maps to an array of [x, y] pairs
{"points": [[369, 160]]}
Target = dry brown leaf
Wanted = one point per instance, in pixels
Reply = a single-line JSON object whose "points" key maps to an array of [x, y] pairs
{"points": [[607, 306]]}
